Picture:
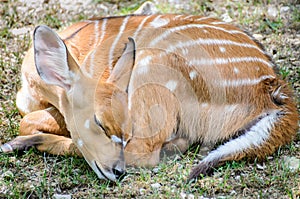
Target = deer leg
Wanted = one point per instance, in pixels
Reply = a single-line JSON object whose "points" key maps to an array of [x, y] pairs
{"points": [[154, 123], [45, 130], [176, 145], [139, 152], [48, 121], [44, 142], [145, 152]]}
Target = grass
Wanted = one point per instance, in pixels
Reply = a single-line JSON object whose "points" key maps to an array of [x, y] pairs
{"points": [[33, 174]]}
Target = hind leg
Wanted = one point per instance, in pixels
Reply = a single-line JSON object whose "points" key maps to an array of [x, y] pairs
{"points": [[177, 145], [155, 119], [270, 131], [45, 130]]}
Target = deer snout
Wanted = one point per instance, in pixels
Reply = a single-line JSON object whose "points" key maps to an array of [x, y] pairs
{"points": [[114, 174], [119, 168], [119, 173]]}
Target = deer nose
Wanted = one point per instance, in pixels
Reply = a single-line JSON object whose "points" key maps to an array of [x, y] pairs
{"points": [[120, 174]]}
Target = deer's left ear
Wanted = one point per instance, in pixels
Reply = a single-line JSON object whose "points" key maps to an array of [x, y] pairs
{"points": [[121, 73], [53, 62]]}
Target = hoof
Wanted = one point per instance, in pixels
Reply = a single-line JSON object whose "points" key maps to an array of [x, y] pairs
{"points": [[6, 148], [201, 170]]}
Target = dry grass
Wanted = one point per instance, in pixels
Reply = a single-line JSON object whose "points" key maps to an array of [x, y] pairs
{"points": [[37, 175]]}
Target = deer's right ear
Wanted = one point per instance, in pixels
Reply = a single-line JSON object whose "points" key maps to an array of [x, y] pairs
{"points": [[121, 74], [53, 62]]}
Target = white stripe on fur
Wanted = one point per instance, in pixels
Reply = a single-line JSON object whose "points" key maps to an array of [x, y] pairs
{"points": [[255, 137], [184, 27], [113, 46]]}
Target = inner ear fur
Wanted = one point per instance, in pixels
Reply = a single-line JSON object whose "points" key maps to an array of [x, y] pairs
{"points": [[53, 62]]}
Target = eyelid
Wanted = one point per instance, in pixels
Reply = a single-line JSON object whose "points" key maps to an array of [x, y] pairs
{"points": [[99, 124]]}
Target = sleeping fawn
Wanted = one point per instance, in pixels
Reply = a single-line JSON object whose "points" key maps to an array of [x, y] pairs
{"points": [[118, 90]]}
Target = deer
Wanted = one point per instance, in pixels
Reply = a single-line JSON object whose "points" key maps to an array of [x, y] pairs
{"points": [[121, 90]]}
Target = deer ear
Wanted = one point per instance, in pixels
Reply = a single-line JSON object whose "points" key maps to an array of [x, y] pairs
{"points": [[121, 73], [53, 62]]}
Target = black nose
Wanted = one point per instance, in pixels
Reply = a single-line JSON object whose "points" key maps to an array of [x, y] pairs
{"points": [[120, 174]]}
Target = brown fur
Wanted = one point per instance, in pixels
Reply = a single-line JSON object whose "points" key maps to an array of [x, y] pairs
{"points": [[160, 91]]}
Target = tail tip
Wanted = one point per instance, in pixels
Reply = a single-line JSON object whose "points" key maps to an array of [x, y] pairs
{"points": [[201, 170]]}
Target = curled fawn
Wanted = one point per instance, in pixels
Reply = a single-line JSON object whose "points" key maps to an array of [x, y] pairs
{"points": [[177, 81]]}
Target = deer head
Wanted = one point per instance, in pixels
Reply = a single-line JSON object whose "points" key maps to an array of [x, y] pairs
{"points": [[112, 95], [56, 66]]}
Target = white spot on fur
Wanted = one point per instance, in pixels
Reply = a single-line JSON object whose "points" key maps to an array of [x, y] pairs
{"points": [[222, 49], [204, 105], [159, 22], [193, 75], [79, 142], [235, 70], [87, 124], [171, 85], [143, 65]]}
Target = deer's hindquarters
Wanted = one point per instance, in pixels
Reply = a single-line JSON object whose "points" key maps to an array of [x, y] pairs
{"points": [[272, 129]]}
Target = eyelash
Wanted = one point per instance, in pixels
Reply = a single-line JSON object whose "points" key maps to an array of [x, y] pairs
{"points": [[99, 124]]}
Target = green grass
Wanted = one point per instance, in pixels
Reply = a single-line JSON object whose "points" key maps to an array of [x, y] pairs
{"points": [[33, 174]]}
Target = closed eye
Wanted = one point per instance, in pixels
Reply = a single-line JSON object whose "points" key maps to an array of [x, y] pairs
{"points": [[99, 124]]}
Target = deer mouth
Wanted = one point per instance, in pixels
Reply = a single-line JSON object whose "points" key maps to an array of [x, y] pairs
{"points": [[113, 174], [101, 170]]}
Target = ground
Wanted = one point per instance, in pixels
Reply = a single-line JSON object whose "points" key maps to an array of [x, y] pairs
{"points": [[276, 24]]}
